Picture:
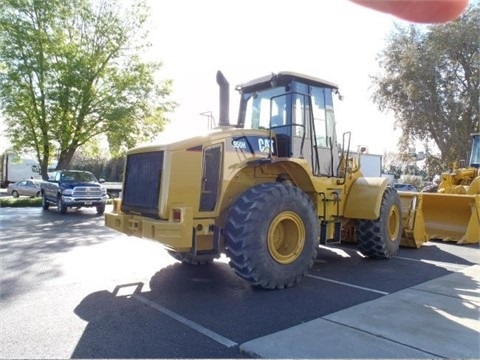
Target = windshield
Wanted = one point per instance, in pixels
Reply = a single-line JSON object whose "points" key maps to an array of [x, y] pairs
{"points": [[275, 108], [78, 176], [475, 158], [264, 107]]}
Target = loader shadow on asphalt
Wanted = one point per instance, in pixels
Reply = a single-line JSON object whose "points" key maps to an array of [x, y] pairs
{"points": [[119, 326], [213, 297]]}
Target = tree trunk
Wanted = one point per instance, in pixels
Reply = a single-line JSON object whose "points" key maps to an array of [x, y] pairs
{"points": [[65, 158]]}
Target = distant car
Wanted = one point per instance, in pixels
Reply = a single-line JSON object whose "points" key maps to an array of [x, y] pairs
{"points": [[405, 187], [28, 187]]}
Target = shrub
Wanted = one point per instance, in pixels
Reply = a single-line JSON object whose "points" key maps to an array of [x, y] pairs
{"points": [[20, 202], [26, 202]]}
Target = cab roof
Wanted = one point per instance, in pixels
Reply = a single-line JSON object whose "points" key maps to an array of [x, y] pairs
{"points": [[283, 78]]}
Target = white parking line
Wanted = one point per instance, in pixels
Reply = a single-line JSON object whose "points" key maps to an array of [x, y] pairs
{"points": [[212, 335], [347, 284], [437, 263]]}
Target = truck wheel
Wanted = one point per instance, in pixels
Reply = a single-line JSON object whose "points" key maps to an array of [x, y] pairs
{"points": [[191, 259], [15, 194], [272, 235], [45, 204], [100, 209], [380, 238], [113, 194], [61, 208]]}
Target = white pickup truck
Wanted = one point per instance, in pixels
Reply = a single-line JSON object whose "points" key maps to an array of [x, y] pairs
{"points": [[114, 189]]}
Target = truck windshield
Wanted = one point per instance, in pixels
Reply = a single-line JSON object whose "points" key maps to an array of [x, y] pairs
{"points": [[78, 176]]}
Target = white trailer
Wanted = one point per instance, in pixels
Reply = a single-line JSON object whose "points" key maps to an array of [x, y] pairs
{"points": [[14, 168], [371, 165]]}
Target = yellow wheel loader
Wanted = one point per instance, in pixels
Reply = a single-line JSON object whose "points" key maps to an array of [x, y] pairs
{"points": [[264, 191], [463, 180], [450, 214]]}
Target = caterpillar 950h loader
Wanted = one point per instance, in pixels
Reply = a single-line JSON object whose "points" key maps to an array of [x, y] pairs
{"points": [[450, 214], [265, 191]]}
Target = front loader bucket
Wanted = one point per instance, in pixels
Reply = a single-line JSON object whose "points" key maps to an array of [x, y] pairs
{"points": [[452, 217], [448, 217], [414, 234]]}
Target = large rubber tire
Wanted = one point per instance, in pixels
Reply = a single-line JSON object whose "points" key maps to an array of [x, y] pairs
{"points": [[100, 209], [45, 203], [380, 238], [272, 235], [15, 194], [61, 208], [191, 259]]}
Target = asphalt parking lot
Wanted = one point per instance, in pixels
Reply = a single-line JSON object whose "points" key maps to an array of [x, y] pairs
{"points": [[71, 288]]}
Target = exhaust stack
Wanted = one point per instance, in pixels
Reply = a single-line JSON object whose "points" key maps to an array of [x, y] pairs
{"points": [[224, 100]]}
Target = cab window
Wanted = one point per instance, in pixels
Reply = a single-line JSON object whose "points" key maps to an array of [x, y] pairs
{"points": [[323, 116], [265, 108]]}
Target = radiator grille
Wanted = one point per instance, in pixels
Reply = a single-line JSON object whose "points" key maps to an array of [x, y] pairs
{"points": [[141, 188], [86, 191]]}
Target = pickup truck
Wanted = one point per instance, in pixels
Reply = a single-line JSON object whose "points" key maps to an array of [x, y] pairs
{"points": [[114, 189], [73, 188]]}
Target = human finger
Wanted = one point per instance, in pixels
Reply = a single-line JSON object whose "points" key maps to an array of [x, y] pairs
{"points": [[420, 11]]}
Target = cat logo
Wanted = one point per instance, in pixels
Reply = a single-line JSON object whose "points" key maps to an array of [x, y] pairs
{"points": [[265, 145]]}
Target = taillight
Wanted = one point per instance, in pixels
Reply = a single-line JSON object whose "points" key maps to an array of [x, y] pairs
{"points": [[177, 215]]}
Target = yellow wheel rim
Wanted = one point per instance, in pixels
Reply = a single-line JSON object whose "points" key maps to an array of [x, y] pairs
{"points": [[394, 222], [286, 237]]}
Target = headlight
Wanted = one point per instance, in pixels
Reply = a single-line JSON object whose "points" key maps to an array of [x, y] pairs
{"points": [[104, 190], [67, 192]]}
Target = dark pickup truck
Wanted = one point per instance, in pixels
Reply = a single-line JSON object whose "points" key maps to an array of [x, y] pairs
{"points": [[73, 188]]}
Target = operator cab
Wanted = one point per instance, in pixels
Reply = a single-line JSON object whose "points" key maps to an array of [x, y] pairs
{"points": [[298, 109], [475, 155]]}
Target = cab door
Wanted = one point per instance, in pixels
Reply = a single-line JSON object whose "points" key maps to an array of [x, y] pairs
{"points": [[313, 129]]}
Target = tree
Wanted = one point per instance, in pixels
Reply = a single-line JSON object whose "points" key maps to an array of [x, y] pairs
{"points": [[70, 70], [430, 81], [108, 168]]}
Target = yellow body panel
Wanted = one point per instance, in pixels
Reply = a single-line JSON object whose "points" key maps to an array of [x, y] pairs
{"points": [[182, 185], [172, 234], [365, 198], [336, 199], [474, 187]]}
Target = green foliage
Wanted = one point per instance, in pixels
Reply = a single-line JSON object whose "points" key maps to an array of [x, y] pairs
{"points": [[102, 168], [412, 180], [434, 165], [431, 82], [26, 202], [20, 202], [70, 70]]}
